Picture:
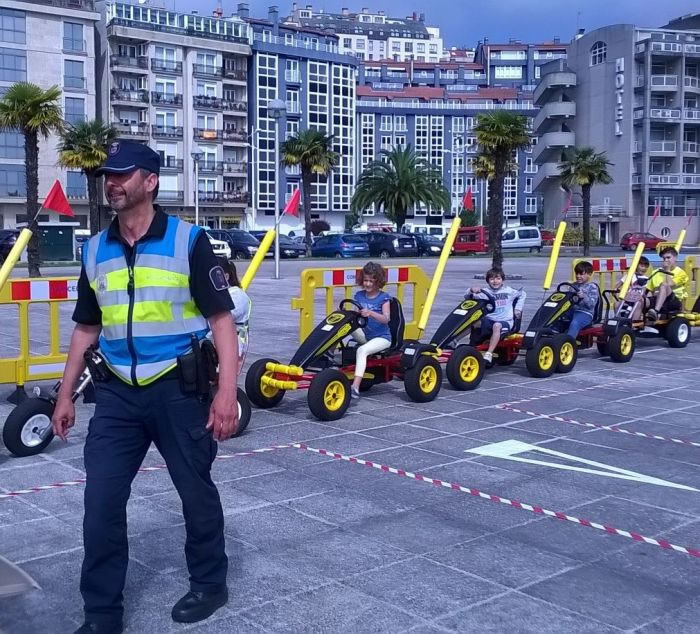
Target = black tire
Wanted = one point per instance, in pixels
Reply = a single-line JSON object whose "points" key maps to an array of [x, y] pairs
{"points": [[678, 332], [244, 411], [568, 353], [366, 385], [465, 368], [602, 348], [240, 255], [263, 397], [329, 394], [384, 254], [27, 418], [423, 381], [696, 306], [621, 346], [542, 359]]}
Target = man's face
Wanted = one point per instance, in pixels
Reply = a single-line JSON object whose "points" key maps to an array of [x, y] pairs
{"points": [[669, 261], [129, 190]]}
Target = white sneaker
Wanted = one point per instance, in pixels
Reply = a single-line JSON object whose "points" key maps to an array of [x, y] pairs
{"points": [[488, 357]]}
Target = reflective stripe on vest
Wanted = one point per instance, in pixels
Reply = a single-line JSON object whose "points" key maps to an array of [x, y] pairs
{"points": [[163, 315]]}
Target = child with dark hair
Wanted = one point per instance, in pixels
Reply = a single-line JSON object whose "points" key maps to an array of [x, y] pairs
{"points": [[241, 307], [375, 336], [588, 293], [669, 287], [501, 320]]}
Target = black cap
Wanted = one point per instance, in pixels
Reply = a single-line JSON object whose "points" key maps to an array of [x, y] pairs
{"points": [[126, 156]]}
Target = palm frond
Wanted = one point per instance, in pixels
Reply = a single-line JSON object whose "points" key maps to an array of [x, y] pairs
{"points": [[584, 166], [29, 108], [84, 145]]}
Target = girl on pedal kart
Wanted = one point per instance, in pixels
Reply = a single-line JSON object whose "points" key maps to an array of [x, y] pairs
{"points": [[241, 308], [375, 336]]}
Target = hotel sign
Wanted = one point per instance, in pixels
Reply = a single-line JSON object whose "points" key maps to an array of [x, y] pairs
{"points": [[619, 94]]}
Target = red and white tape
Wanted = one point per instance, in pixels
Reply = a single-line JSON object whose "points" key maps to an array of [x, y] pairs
{"points": [[662, 543], [159, 467], [619, 430]]}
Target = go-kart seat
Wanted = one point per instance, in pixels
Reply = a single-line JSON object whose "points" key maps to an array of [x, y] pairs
{"points": [[475, 337], [397, 323]]}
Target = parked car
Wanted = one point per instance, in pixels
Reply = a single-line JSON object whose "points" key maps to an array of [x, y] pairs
{"points": [[390, 245], [340, 245], [629, 241], [288, 247], [428, 244], [547, 236], [8, 237], [440, 231], [242, 244], [522, 238], [220, 248]]}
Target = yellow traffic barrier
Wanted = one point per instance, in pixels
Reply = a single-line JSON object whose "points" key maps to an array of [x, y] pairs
{"points": [[257, 259], [554, 256], [25, 366], [328, 280], [633, 267], [677, 245], [437, 276]]}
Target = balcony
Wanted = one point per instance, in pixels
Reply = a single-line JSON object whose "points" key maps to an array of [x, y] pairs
{"points": [[211, 167], [209, 198], [662, 147], [235, 107], [126, 61], [692, 49], [554, 81], [167, 131], [207, 70], [166, 98], [293, 107], [171, 164], [205, 134], [663, 82], [129, 96], [166, 196], [209, 103], [692, 83], [235, 169], [576, 211], [553, 142], [292, 77], [691, 147], [235, 136], [84, 5], [664, 179], [547, 171], [555, 110], [236, 74], [691, 114], [636, 179], [166, 66], [673, 48], [667, 114], [132, 130], [693, 180]]}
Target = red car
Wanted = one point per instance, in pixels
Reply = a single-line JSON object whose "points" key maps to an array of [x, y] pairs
{"points": [[630, 241]]}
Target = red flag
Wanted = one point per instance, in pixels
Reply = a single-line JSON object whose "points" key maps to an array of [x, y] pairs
{"points": [[56, 200], [691, 215], [657, 211], [567, 205], [468, 200], [292, 207]]}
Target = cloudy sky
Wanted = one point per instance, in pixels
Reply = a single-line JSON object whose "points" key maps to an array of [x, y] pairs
{"points": [[499, 20]]}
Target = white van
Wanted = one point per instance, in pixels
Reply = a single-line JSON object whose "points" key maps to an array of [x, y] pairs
{"points": [[439, 231], [522, 238]]}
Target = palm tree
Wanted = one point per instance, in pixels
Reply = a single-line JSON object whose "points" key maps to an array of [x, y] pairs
{"points": [[312, 151], [84, 146], [498, 134], [398, 181], [34, 112], [585, 167]]}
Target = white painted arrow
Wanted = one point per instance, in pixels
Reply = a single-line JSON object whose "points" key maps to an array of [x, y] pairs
{"points": [[509, 450]]}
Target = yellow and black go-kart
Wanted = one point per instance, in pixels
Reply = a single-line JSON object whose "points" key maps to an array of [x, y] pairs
{"points": [[324, 365]]}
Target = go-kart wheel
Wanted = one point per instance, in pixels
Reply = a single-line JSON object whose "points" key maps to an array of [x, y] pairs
{"points": [[621, 346], [263, 396], [542, 359], [465, 368], [678, 332], [366, 385], [568, 353], [696, 306], [423, 381], [329, 394], [244, 411], [27, 430]]}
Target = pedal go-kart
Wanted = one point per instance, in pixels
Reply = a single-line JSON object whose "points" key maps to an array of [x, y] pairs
{"points": [[28, 430], [674, 326], [324, 366]]}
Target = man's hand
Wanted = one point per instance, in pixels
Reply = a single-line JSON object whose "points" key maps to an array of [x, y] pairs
{"points": [[223, 414], [63, 417]]}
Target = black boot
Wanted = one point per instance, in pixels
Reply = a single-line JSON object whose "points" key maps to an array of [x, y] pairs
{"points": [[90, 627], [197, 606]]}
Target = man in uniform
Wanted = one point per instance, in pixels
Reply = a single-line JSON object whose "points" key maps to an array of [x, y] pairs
{"points": [[147, 285]]}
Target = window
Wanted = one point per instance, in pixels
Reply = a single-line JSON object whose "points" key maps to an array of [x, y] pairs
{"points": [[292, 128], [293, 101], [73, 37], [74, 111], [73, 74], [12, 26], [76, 185], [165, 86], [11, 145], [400, 123], [530, 167], [385, 123], [508, 72], [206, 121], [528, 185], [530, 204], [396, 46], [13, 65], [289, 39], [347, 42], [360, 44], [471, 144], [12, 181], [203, 89], [599, 51], [420, 48], [408, 47]]}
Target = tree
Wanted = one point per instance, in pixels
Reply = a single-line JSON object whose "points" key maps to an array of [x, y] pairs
{"points": [[498, 135], [84, 147], [398, 181], [468, 218], [317, 226], [35, 113], [585, 167], [312, 151]]}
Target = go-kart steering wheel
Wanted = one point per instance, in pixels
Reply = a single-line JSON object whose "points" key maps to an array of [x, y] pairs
{"points": [[490, 300], [575, 299], [361, 321]]}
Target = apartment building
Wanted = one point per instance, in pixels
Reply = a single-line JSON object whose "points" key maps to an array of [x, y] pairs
{"points": [[46, 42]]}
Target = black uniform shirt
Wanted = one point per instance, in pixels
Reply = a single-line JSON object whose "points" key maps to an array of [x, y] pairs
{"points": [[203, 262]]}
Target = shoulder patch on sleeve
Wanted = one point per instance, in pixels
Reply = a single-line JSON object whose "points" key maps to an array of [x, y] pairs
{"points": [[218, 278]]}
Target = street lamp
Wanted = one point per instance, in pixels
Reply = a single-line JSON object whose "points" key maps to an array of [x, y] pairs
{"points": [[196, 157], [277, 109]]}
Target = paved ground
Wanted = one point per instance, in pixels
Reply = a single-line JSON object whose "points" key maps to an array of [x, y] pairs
{"points": [[322, 544]]}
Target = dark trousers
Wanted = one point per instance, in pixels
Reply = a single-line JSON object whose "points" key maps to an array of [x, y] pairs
{"points": [[127, 419]]}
